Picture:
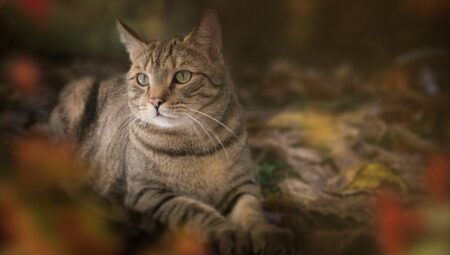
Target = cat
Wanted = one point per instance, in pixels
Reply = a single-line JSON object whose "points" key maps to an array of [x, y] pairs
{"points": [[167, 142]]}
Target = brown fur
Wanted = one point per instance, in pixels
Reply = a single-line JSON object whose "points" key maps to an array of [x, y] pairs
{"points": [[190, 166]]}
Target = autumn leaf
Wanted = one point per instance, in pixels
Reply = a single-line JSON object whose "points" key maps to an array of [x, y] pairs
{"points": [[438, 177], [180, 243], [367, 176], [397, 225], [19, 228], [319, 129], [24, 75], [37, 10], [39, 163]]}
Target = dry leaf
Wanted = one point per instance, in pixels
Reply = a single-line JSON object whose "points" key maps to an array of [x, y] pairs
{"points": [[366, 177], [319, 129]]}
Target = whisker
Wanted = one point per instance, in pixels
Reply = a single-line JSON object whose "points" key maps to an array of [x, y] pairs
{"points": [[126, 124], [220, 123], [208, 129], [121, 130], [202, 140]]}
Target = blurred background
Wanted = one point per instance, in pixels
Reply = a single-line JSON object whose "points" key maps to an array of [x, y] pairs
{"points": [[347, 105]]}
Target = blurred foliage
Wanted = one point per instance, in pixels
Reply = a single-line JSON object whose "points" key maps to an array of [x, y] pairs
{"points": [[40, 215], [347, 105], [320, 129], [370, 176], [267, 177], [255, 31]]}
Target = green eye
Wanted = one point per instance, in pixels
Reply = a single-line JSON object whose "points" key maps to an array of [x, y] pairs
{"points": [[142, 79], [182, 76]]}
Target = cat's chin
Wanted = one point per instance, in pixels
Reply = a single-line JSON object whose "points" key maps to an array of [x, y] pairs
{"points": [[163, 122], [160, 120]]}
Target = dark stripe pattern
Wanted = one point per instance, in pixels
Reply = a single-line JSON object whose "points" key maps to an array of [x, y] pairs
{"points": [[90, 113], [149, 170]]}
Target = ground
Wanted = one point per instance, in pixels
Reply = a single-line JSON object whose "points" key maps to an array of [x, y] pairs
{"points": [[351, 161]]}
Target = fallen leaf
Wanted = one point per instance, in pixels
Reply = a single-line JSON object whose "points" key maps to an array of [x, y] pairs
{"points": [[37, 10], [367, 176], [437, 177], [347, 210], [319, 129]]}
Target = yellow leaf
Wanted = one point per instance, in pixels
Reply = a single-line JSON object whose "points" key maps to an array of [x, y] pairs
{"points": [[371, 176], [319, 129]]}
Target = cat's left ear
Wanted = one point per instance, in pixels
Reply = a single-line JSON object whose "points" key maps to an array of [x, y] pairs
{"points": [[208, 33], [133, 42]]}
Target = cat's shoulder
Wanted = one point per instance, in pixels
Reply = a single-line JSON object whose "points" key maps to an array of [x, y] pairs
{"points": [[83, 97], [114, 83], [82, 87]]}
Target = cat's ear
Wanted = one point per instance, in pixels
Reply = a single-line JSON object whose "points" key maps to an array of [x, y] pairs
{"points": [[133, 42], [208, 32]]}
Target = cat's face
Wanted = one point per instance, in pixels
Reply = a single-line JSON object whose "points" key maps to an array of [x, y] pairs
{"points": [[171, 81]]}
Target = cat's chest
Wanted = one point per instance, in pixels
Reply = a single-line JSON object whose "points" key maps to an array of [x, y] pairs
{"points": [[204, 178]]}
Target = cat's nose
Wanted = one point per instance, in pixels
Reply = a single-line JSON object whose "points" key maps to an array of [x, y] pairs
{"points": [[156, 102]]}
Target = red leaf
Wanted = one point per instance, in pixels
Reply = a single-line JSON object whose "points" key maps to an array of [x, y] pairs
{"points": [[438, 177], [24, 75], [36, 10], [396, 224]]}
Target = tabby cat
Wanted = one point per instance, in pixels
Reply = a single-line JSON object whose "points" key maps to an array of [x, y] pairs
{"points": [[167, 142]]}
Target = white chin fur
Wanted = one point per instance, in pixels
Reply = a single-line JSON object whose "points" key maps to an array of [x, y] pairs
{"points": [[162, 121], [159, 121]]}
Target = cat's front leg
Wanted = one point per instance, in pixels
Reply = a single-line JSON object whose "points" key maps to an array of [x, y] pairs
{"points": [[184, 213], [266, 239]]}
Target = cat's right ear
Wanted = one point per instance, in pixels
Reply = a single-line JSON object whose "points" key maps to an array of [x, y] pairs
{"points": [[133, 42]]}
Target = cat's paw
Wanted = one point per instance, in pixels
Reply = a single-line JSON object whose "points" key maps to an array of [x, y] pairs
{"points": [[270, 240], [230, 240]]}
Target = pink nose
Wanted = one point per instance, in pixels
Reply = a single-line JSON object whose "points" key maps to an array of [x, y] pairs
{"points": [[156, 102]]}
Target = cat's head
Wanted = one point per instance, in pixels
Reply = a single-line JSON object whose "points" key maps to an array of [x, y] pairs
{"points": [[171, 81]]}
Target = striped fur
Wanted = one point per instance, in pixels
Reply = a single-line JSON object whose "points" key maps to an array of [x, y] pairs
{"points": [[191, 169]]}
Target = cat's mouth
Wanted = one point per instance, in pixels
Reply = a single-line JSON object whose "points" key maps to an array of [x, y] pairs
{"points": [[161, 117], [160, 114]]}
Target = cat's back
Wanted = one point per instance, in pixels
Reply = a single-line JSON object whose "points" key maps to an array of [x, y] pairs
{"points": [[81, 103], [89, 114]]}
